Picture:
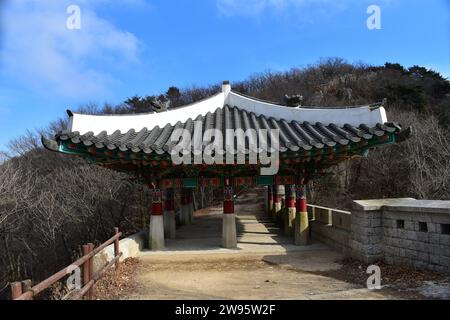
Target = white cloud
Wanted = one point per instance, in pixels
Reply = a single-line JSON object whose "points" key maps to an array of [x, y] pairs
{"points": [[40, 51], [254, 8]]}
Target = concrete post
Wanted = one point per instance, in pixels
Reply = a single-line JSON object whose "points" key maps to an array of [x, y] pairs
{"points": [[301, 228], [156, 234], [277, 202], [229, 238], [169, 215], [289, 213]]}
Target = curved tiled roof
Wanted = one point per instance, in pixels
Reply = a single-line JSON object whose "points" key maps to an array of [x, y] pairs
{"points": [[293, 135]]}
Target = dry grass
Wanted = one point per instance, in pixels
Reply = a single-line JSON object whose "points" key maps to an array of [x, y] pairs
{"points": [[117, 283]]}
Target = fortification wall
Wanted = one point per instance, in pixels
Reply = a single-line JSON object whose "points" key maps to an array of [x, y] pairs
{"points": [[398, 231]]}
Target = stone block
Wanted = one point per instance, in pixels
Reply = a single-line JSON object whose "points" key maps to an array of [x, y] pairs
{"points": [[440, 218], [424, 257], [411, 235], [406, 244], [391, 250], [420, 264], [397, 242], [367, 230], [444, 239], [434, 239], [390, 232], [389, 223], [444, 261], [401, 233], [409, 225], [402, 253], [420, 246], [434, 259], [389, 260], [423, 236], [411, 254], [433, 228]]}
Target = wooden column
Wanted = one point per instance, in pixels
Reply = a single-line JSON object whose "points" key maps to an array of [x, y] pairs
{"points": [[184, 208], [169, 215], [156, 234], [289, 212], [301, 221], [229, 238], [269, 199], [277, 203], [190, 205]]}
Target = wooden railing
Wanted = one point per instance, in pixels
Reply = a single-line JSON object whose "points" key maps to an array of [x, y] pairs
{"points": [[24, 291]]}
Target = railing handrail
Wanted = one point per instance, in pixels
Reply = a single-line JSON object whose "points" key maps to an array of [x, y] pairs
{"points": [[326, 208], [45, 284]]}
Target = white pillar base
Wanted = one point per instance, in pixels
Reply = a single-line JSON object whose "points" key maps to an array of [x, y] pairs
{"points": [[169, 224], [301, 237], [229, 238], [276, 211], [289, 221], [156, 235]]}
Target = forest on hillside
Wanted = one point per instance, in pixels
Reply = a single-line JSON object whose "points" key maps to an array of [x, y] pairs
{"points": [[50, 203]]}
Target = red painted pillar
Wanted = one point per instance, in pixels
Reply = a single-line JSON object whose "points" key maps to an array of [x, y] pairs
{"points": [[301, 204], [301, 222], [276, 203], [229, 238], [157, 203], [156, 234], [228, 200], [289, 214]]}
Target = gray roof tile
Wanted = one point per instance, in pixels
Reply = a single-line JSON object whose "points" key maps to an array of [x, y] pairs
{"points": [[294, 136]]}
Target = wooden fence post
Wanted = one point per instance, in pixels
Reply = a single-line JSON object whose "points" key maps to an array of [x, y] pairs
{"points": [[86, 272], [116, 247], [26, 285], [91, 270], [16, 290]]}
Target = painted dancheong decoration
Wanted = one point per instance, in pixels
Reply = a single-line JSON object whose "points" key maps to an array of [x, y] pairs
{"points": [[309, 140]]}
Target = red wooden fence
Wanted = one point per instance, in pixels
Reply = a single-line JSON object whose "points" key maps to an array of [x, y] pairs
{"points": [[24, 291]]}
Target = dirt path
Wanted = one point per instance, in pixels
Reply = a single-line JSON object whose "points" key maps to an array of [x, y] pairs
{"points": [[243, 277], [266, 265]]}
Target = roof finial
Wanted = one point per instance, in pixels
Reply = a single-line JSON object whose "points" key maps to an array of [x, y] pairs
{"points": [[226, 87], [294, 100]]}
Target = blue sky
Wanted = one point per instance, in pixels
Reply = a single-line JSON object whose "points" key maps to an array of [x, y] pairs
{"points": [[142, 47]]}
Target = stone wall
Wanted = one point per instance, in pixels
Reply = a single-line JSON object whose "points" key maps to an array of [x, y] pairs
{"points": [[397, 231], [411, 232], [130, 247]]}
